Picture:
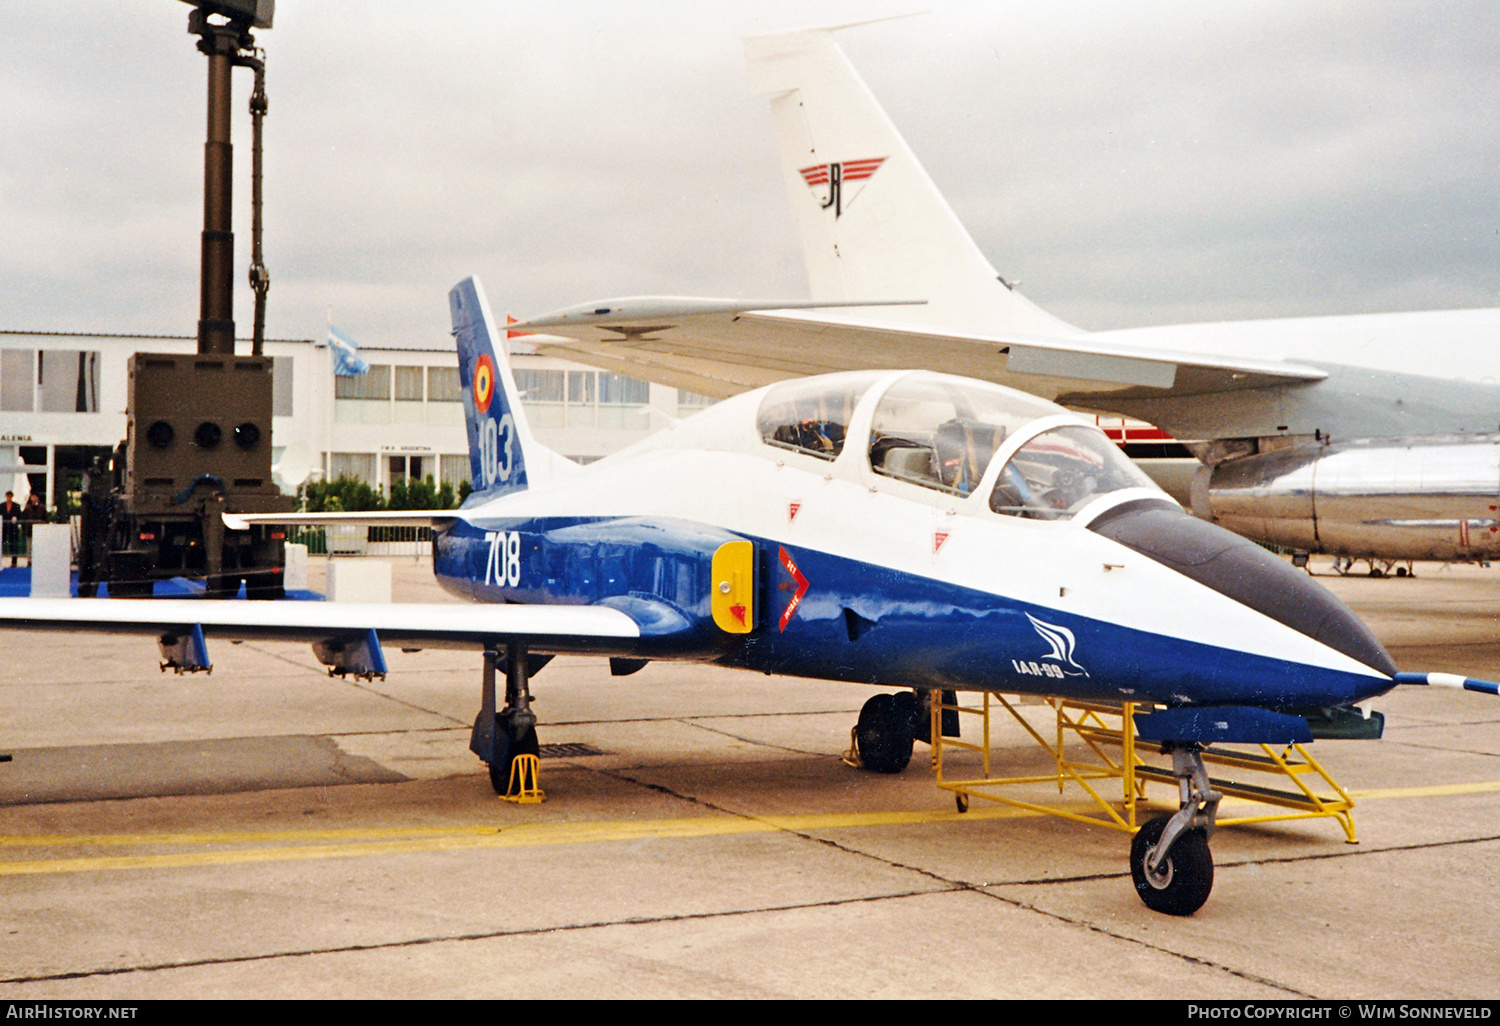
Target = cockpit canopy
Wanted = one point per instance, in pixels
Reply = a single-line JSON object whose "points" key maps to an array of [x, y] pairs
{"points": [[1058, 472], [942, 432], [812, 415]]}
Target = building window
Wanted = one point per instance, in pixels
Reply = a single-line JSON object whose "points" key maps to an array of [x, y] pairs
{"points": [[618, 390], [583, 388], [49, 380], [689, 403], [443, 385], [409, 391], [542, 393], [453, 470], [281, 385], [364, 398], [409, 384], [374, 385], [358, 465], [540, 386], [17, 379], [582, 398], [400, 394]]}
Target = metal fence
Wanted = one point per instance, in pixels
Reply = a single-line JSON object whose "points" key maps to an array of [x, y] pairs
{"points": [[346, 540], [343, 540]]}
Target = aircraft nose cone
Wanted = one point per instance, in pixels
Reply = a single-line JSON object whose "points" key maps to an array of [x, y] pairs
{"points": [[1241, 570]]}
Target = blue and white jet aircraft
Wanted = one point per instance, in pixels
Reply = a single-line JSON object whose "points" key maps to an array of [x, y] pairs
{"points": [[902, 529]]}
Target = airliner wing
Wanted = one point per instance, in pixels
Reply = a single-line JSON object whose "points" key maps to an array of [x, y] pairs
{"points": [[588, 629], [719, 348]]}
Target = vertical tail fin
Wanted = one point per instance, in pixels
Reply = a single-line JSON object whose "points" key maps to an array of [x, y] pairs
{"points": [[873, 225], [504, 456]]}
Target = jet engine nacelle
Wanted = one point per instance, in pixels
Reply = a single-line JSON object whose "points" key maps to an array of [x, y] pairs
{"points": [[1428, 498]]}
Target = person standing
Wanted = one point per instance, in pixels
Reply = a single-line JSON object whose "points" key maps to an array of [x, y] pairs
{"points": [[10, 522], [32, 513]]}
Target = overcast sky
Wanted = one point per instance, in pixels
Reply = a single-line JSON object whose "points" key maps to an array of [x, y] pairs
{"points": [[1132, 163]]}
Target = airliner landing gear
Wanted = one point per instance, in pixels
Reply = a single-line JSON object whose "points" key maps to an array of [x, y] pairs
{"points": [[1344, 566], [885, 732], [1169, 858], [500, 738]]}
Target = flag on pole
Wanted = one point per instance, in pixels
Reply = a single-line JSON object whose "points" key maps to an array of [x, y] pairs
{"points": [[346, 361]]}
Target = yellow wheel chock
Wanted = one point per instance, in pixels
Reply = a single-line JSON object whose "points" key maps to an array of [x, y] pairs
{"points": [[523, 788]]}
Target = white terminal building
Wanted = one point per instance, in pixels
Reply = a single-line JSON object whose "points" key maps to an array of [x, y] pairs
{"points": [[63, 399]]}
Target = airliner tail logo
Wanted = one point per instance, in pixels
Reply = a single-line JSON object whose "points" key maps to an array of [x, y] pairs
{"points": [[836, 176]]}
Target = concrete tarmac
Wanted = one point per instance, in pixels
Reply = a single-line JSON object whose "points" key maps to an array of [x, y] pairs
{"points": [[266, 831]]}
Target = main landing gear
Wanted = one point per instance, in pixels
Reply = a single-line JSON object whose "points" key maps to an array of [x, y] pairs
{"points": [[505, 739], [889, 725], [1344, 566], [1169, 858], [886, 730]]}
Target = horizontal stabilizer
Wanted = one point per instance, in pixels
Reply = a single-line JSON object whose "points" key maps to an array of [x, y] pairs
{"points": [[362, 518]]}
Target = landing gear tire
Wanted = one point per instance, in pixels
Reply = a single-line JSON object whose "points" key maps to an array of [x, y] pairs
{"points": [[1186, 877], [883, 736], [506, 751]]}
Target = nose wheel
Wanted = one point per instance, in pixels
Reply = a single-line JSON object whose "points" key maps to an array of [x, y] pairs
{"points": [[1170, 863], [1181, 879]]}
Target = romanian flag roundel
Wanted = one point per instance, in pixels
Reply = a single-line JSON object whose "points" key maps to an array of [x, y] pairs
{"points": [[484, 382]]}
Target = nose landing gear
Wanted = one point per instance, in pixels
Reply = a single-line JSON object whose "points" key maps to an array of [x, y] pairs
{"points": [[1169, 857]]}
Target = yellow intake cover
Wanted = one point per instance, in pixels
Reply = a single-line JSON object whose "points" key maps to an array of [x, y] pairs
{"points": [[733, 585]]}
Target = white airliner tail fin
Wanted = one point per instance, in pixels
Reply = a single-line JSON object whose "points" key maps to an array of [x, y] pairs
{"points": [[872, 223]]}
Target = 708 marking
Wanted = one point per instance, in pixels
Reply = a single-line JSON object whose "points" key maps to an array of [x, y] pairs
{"points": [[504, 565]]}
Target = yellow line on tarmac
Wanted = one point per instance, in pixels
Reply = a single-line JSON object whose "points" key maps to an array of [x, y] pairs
{"points": [[289, 845], [1435, 791], [394, 841], [238, 837]]}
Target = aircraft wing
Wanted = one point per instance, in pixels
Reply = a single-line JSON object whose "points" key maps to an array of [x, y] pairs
{"points": [[587, 629], [719, 348]]}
